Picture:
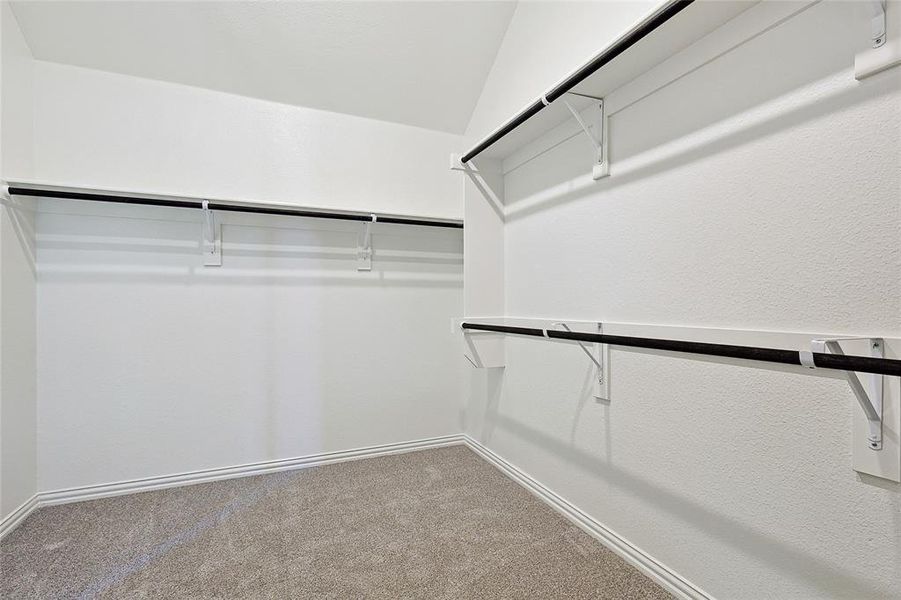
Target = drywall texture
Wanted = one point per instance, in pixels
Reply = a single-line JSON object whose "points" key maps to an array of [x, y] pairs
{"points": [[544, 41], [17, 279], [760, 191], [17, 359], [17, 98], [116, 131], [151, 364]]}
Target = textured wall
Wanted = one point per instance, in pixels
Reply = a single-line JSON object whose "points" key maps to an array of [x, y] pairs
{"points": [[17, 277], [151, 364], [116, 131], [18, 409], [543, 42], [17, 113], [761, 191]]}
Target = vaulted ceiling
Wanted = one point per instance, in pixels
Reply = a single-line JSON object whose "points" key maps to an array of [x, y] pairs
{"points": [[418, 63]]}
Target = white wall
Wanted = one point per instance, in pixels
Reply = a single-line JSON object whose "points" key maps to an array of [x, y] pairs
{"points": [[543, 43], [150, 364], [762, 191], [108, 130], [17, 99], [17, 277]]}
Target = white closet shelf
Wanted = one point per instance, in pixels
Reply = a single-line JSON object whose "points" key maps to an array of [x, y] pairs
{"points": [[671, 27], [55, 190]]}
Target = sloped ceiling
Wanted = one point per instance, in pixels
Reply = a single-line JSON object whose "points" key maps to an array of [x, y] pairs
{"points": [[417, 63]]}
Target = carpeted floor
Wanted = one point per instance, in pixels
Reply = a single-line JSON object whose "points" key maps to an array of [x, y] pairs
{"points": [[432, 524]]}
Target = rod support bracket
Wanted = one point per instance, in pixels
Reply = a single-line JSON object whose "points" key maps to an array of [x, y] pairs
{"points": [[601, 168], [870, 397], [877, 24], [364, 245], [211, 244], [600, 358]]}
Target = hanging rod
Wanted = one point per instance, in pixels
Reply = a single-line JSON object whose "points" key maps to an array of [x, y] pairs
{"points": [[631, 38], [841, 362], [223, 206]]}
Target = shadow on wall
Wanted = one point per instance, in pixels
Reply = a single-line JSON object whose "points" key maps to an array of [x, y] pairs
{"points": [[826, 577], [589, 384], [79, 246], [758, 89], [485, 388], [22, 221], [285, 350], [575, 184]]}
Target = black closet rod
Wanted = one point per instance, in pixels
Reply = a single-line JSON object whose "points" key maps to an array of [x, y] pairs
{"points": [[863, 364], [212, 205], [579, 76]]}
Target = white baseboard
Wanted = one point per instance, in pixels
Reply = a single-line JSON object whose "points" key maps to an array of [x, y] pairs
{"points": [[657, 571], [147, 484], [13, 519], [92, 492]]}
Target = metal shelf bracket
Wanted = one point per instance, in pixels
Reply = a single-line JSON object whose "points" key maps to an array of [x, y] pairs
{"points": [[602, 165], [869, 397], [212, 238], [877, 24], [364, 246], [600, 358]]}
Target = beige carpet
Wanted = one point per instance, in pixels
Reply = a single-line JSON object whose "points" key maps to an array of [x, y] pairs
{"points": [[432, 524]]}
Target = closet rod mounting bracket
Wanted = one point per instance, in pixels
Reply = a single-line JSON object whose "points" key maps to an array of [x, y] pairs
{"points": [[871, 397], [600, 358], [877, 24], [212, 239], [601, 168], [364, 246]]}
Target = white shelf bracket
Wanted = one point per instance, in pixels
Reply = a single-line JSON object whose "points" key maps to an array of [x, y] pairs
{"points": [[456, 164], [869, 397], [600, 358], [877, 24], [212, 238], [602, 165], [364, 246], [885, 37], [473, 355]]}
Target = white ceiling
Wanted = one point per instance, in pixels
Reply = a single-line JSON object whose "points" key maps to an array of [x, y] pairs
{"points": [[419, 63]]}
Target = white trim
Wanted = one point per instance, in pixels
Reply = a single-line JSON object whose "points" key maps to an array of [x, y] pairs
{"points": [[146, 484], [13, 519], [651, 567], [90, 189]]}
